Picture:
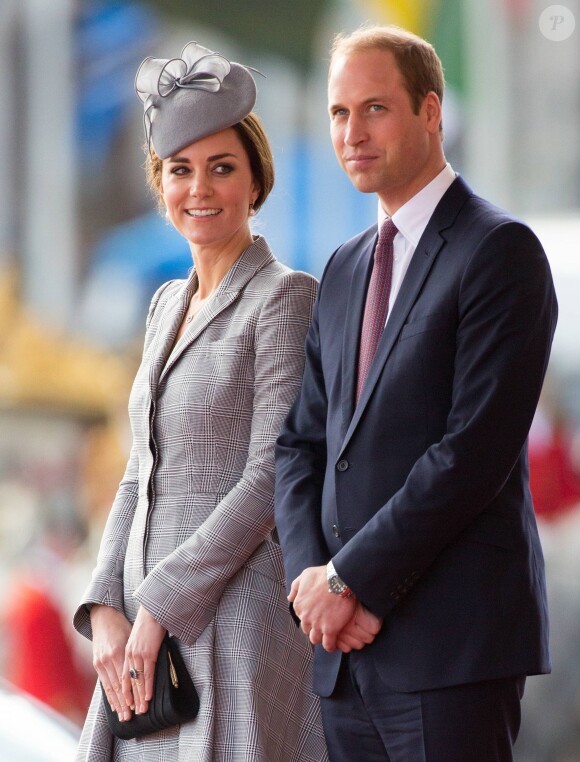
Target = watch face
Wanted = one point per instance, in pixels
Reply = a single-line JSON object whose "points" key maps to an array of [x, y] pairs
{"points": [[335, 584]]}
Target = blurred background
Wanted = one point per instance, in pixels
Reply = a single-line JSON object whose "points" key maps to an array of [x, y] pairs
{"points": [[83, 247]]}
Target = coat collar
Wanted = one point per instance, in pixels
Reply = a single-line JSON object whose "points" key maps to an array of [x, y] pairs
{"points": [[166, 352], [431, 242]]}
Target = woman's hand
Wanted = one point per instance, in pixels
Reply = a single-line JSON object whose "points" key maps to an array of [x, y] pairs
{"points": [[141, 656], [111, 630]]}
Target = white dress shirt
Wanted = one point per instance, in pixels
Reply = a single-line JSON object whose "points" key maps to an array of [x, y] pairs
{"points": [[411, 220]]}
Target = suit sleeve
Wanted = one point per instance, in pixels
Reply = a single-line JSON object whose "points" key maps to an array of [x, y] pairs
{"points": [[183, 591], [506, 320], [300, 466]]}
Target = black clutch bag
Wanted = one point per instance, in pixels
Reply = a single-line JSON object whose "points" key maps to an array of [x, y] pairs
{"points": [[174, 701]]}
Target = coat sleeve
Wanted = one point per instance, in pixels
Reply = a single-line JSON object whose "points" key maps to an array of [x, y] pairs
{"points": [[183, 591], [506, 319], [106, 585]]}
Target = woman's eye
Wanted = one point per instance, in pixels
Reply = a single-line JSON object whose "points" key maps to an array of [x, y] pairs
{"points": [[223, 169], [179, 170]]}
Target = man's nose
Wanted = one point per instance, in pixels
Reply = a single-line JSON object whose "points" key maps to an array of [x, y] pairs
{"points": [[355, 131]]}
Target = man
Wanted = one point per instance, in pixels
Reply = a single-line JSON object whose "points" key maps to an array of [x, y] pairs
{"points": [[403, 506]]}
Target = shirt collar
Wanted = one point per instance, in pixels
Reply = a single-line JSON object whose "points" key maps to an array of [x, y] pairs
{"points": [[412, 218]]}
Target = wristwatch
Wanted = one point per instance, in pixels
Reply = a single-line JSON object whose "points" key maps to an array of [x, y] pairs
{"points": [[335, 584]]}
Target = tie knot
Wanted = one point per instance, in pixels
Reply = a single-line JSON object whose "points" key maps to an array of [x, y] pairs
{"points": [[386, 235], [387, 232]]}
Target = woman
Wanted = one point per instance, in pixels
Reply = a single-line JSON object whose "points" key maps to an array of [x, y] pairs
{"points": [[187, 547]]}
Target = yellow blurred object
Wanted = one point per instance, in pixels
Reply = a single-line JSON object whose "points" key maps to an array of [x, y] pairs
{"points": [[43, 368], [103, 459], [414, 15]]}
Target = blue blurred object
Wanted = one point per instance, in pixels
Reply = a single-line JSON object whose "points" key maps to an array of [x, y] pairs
{"points": [[129, 262], [147, 247], [112, 38]]}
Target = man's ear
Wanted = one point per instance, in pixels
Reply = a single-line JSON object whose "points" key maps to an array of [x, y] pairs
{"points": [[431, 110]]}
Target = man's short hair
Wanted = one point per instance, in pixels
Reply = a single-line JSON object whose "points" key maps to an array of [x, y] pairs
{"points": [[416, 59]]}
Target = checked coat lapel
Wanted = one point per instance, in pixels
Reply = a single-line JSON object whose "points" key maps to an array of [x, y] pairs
{"points": [[165, 352], [421, 263]]}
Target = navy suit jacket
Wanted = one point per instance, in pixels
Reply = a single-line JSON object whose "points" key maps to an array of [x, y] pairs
{"points": [[420, 492]]}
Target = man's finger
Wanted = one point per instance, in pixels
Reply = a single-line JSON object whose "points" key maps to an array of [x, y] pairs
{"points": [[349, 642], [315, 636], [328, 642], [294, 590]]}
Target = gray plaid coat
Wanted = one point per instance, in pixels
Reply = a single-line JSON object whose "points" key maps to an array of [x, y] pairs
{"points": [[188, 535]]}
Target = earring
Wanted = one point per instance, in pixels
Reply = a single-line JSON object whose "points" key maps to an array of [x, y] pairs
{"points": [[252, 210]]}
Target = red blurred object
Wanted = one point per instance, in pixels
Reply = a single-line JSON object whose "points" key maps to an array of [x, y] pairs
{"points": [[41, 660], [554, 483]]}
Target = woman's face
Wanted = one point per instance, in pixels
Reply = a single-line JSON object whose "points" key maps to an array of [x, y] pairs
{"points": [[208, 188]]}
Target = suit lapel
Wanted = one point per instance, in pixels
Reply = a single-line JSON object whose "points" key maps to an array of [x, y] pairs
{"points": [[352, 327], [421, 263], [253, 259]]}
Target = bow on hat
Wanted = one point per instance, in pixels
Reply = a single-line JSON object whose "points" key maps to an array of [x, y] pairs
{"points": [[198, 69]]}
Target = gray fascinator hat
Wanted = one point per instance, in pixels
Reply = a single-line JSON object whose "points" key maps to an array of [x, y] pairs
{"points": [[188, 98]]}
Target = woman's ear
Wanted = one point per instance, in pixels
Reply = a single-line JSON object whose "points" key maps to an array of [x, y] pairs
{"points": [[255, 193]]}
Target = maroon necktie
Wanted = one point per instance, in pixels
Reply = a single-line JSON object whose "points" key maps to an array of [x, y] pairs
{"points": [[377, 302]]}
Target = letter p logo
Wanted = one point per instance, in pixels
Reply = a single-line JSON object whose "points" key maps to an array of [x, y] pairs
{"points": [[557, 23]]}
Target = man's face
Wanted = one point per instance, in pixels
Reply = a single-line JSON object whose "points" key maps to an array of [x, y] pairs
{"points": [[380, 143]]}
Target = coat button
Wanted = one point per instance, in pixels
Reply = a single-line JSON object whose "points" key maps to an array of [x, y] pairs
{"points": [[342, 465], [335, 530]]}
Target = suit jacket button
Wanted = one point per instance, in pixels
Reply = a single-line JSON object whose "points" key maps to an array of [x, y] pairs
{"points": [[342, 465], [335, 530]]}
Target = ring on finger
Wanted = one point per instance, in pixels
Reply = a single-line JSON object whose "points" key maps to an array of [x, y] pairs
{"points": [[134, 673]]}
